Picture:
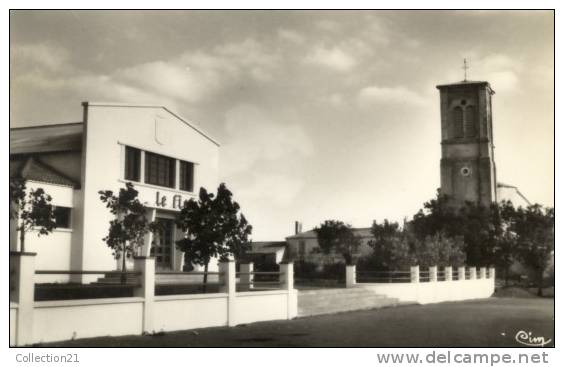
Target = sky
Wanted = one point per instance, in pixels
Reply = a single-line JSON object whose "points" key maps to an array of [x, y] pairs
{"points": [[320, 114]]}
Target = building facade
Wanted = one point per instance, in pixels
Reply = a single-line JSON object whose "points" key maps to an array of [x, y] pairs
{"points": [[468, 171], [165, 156]]}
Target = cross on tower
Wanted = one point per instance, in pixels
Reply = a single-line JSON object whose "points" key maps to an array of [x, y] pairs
{"points": [[465, 67]]}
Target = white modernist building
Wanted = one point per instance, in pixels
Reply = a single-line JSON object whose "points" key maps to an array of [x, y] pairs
{"points": [[166, 157]]}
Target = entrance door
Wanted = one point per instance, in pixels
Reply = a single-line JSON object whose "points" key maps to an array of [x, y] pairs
{"points": [[162, 244]]}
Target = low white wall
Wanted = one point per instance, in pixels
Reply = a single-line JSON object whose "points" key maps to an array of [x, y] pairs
{"points": [[64, 320], [181, 312], [433, 292], [260, 306]]}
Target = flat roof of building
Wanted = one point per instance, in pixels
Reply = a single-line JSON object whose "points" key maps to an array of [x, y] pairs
{"points": [[46, 138]]}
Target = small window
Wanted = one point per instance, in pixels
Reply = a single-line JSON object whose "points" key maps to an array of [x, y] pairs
{"points": [[470, 123], [159, 170], [132, 164], [62, 216], [186, 176], [457, 129]]}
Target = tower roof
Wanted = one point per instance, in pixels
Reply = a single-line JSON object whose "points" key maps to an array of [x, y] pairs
{"points": [[466, 83]]}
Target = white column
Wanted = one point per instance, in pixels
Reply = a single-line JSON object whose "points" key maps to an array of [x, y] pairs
{"points": [[433, 273], [227, 285], [482, 273], [472, 273], [350, 276], [22, 289], [461, 273], [146, 289], [414, 272], [492, 273], [448, 273], [246, 276]]}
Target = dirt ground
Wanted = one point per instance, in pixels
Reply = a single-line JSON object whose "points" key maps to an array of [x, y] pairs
{"points": [[492, 322]]}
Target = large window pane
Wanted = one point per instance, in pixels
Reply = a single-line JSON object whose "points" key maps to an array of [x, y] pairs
{"points": [[132, 164], [186, 176], [159, 170]]}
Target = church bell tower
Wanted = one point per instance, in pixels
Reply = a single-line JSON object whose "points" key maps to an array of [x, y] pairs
{"points": [[467, 160]]}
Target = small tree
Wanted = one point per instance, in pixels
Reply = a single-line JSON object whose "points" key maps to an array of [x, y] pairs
{"points": [[213, 227], [333, 235], [504, 243], [534, 227], [128, 228], [387, 252], [440, 250], [32, 210]]}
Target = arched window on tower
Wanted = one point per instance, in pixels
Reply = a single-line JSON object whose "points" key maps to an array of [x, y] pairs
{"points": [[456, 121], [470, 122]]}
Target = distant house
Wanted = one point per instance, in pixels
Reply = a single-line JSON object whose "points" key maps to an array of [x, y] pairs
{"points": [[267, 252], [303, 246]]}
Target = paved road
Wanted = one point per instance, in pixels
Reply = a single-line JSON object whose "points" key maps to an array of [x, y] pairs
{"points": [[490, 322]]}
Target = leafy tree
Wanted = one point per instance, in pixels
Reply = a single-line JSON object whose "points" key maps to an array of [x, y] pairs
{"points": [[504, 239], [213, 227], [32, 210], [128, 228], [534, 227], [439, 250], [388, 247], [333, 235]]}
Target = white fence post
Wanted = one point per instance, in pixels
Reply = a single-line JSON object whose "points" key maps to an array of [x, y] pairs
{"points": [[287, 275], [146, 289], [472, 273], [228, 284], [246, 277], [448, 273], [22, 271], [433, 273], [492, 273], [461, 273], [482, 273], [414, 274], [287, 282], [350, 276]]}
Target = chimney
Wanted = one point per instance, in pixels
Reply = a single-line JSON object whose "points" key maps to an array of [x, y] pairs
{"points": [[297, 227]]}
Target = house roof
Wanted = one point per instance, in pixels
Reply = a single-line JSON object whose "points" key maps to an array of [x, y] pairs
{"points": [[360, 232], [34, 170], [511, 193], [46, 138]]}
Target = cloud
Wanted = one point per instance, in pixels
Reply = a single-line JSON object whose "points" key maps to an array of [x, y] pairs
{"points": [[333, 58], [43, 56], [277, 189], [290, 35], [328, 25], [254, 136], [191, 77], [389, 95]]}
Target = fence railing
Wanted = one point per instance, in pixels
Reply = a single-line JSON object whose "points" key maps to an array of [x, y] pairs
{"points": [[144, 308], [367, 276], [416, 275]]}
